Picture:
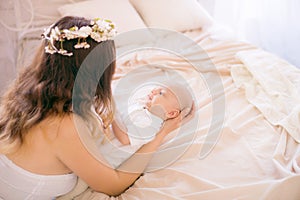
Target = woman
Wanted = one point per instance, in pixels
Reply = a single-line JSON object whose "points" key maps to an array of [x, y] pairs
{"points": [[41, 151]]}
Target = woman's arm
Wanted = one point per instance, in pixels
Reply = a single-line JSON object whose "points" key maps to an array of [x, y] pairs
{"points": [[120, 134], [99, 175]]}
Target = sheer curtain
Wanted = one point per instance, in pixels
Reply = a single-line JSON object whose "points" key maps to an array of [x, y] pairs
{"points": [[270, 24]]}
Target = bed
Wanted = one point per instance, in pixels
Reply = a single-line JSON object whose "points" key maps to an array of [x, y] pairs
{"points": [[243, 142]]}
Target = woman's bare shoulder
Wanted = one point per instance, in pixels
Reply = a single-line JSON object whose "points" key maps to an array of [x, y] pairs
{"points": [[68, 145], [59, 129]]}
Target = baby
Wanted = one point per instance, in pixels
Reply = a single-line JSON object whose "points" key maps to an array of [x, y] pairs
{"points": [[145, 116]]}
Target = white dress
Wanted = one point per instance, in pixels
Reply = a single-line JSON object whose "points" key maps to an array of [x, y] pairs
{"points": [[19, 184]]}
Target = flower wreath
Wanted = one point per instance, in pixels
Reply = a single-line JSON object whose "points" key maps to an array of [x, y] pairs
{"points": [[99, 30]]}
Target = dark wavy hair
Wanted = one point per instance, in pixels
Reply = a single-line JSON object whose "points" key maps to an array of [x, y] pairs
{"points": [[48, 85]]}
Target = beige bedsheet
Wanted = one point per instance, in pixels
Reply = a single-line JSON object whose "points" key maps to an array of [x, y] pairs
{"points": [[256, 153]]}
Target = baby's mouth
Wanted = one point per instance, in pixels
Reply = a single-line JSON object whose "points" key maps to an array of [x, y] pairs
{"points": [[150, 97], [149, 101]]}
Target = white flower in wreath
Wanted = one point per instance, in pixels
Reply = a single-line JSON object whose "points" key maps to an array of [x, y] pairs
{"points": [[69, 34], [96, 36], [100, 25], [112, 33], [103, 38], [55, 34], [103, 25], [48, 49], [82, 45], [64, 52], [86, 45], [84, 31]]}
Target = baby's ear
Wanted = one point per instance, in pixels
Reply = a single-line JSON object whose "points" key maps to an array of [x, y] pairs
{"points": [[173, 114]]}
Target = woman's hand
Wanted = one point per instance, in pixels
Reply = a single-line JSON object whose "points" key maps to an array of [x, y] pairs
{"points": [[185, 115]]}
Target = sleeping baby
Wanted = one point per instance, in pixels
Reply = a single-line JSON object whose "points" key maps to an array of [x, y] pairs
{"points": [[143, 119]]}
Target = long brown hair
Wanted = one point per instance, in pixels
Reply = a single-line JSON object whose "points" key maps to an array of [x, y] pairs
{"points": [[48, 85]]}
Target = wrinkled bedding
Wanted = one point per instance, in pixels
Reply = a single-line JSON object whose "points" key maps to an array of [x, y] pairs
{"points": [[244, 140]]}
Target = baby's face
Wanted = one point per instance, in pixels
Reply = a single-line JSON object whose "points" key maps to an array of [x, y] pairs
{"points": [[162, 98]]}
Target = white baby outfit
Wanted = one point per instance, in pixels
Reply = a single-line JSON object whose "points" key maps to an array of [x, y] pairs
{"points": [[141, 127]]}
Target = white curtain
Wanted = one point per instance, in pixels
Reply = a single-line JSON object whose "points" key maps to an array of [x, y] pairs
{"points": [[273, 25]]}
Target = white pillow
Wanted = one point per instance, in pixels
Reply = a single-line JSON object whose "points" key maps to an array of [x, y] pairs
{"points": [[119, 11], [178, 15]]}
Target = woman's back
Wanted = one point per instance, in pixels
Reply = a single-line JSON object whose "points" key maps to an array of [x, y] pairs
{"points": [[34, 170]]}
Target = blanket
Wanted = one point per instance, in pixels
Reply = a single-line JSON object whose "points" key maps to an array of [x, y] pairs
{"points": [[243, 142]]}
